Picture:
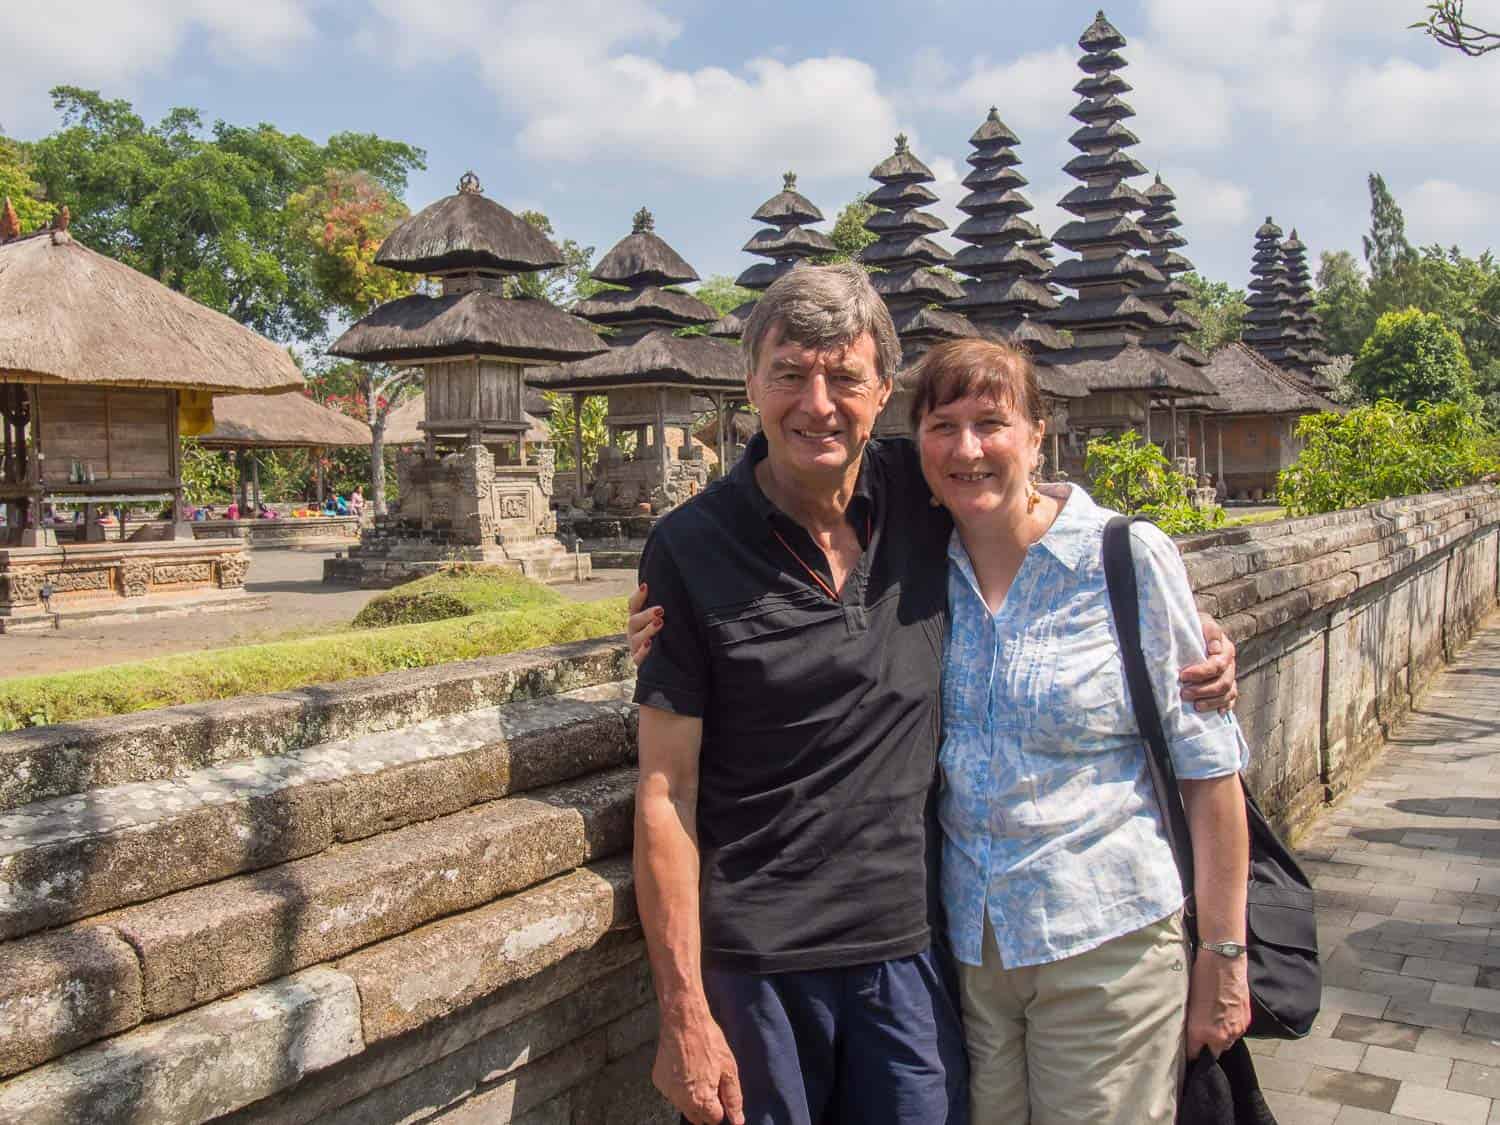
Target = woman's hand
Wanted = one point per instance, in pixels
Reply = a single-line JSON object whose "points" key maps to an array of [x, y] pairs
{"points": [[1218, 1010], [1211, 686], [643, 624]]}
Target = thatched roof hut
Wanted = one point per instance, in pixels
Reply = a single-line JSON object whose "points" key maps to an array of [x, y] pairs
{"points": [[1132, 367], [71, 315], [284, 421], [643, 258], [1248, 383]]}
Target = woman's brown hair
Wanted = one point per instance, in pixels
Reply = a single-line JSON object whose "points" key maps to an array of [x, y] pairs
{"points": [[957, 369]]}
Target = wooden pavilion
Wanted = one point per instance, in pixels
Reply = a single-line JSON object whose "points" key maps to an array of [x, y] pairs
{"points": [[101, 369], [247, 423]]}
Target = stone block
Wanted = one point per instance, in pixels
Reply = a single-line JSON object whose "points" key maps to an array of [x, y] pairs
{"points": [[532, 1086], [198, 1065], [386, 1063], [72, 857], [201, 944], [623, 1094], [432, 972], [60, 991], [67, 758]]}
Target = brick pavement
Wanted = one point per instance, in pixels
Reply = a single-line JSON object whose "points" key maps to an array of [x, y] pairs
{"points": [[1407, 870]]}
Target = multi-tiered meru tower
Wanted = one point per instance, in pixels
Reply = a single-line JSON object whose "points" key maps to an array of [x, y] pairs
{"points": [[786, 240], [905, 261], [1111, 318]]}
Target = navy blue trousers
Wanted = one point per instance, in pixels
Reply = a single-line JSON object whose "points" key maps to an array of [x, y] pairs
{"points": [[878, 1044]]}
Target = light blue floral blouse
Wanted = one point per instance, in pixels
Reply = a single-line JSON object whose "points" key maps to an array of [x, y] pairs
{"points": [[1049, 822]]}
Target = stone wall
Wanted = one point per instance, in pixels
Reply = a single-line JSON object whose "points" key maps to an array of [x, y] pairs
{"points": [[408, 898], [288, 531]]}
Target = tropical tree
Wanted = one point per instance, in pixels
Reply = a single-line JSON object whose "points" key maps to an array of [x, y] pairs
{"points": [[1135, 477], [1219, 310], [205, 210], [848, 234], [1343, 302], [17, 185], [1413, 357], [564, 285]]}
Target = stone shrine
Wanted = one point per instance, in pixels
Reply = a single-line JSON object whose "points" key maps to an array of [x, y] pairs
{"points": [[471, 492]]}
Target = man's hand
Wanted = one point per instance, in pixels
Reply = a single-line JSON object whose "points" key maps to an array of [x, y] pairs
{"points": [[642, 625], [1218, 1003], [695, 1070], [1209, 686]]}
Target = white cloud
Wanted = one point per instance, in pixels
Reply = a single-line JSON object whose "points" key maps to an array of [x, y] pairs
{"points": [[1031, 92], [1445, 212], [1399, 101], [111, 43], [1206, 202], [585, 90]]}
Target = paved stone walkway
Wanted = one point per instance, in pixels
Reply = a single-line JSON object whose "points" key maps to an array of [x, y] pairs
{"points": [[1408, 874]]}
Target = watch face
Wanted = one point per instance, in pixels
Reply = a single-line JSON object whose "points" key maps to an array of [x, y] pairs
{"points": [[1224, 948]]}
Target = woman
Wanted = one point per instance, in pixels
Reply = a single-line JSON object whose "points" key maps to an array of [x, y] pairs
{"points": [[1062, 900]]}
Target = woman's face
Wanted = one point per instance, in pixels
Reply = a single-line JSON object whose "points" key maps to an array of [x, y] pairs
{"points": [[978, 455]]}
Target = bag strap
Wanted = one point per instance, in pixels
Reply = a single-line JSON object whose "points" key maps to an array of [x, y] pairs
{"points": [[1124, 604]]}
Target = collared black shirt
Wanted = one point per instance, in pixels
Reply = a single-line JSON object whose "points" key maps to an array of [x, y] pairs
{"points": [[821, 718]]}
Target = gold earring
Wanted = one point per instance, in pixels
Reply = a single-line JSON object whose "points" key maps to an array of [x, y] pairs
{"points": [[1033, 498], [934, 501]]}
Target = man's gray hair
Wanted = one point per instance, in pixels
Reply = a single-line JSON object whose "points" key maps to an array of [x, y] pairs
{"points": [[824, 307]]}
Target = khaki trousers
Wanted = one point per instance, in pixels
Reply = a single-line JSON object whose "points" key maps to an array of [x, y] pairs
{"points": [[1095, 1039]]}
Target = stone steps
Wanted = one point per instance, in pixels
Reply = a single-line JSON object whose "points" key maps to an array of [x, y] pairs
{"points": [[71, 857], [69, 758], [458, 973]]}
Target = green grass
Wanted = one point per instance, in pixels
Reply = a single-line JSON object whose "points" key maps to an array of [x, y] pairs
{"points": [[1256, 517], [281, 665], [460, 591]]}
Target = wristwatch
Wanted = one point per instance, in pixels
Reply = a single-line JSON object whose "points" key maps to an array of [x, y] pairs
{"points": [[1229, 949]]}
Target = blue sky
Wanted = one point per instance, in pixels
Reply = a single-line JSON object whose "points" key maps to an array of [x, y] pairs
{"points": [[589, 110]]}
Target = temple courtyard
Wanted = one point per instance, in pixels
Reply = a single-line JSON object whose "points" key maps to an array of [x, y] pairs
{"points": [[297, 604], [1407, 869]]}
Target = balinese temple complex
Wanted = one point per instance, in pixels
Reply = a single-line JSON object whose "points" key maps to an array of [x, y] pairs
{"points": [[1308, 355], [1112, 321], [657, 384], [904, 260], [786, 239], [474, 490], [1006, 291]]}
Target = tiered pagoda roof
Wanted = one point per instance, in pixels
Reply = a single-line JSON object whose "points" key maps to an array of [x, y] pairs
{"points": [[1161, 222], [903, 255], [1111, 315], [643, 317], [470, 243], [1007, 291], [1271, 325], [1309, 354], [786, 240], [1251, 384]]}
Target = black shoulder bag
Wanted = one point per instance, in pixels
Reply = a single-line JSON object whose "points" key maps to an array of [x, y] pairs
{"points": [[1285, 980]]}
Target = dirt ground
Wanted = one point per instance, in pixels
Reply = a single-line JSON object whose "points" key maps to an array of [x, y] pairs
{"points": [[300, 606]]}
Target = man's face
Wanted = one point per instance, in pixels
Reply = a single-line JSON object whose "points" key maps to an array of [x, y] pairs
{"points": [[817, 407]]}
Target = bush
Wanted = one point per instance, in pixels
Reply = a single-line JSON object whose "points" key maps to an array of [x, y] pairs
{"points": [[1384, 450], [283, 665], [1413, 357], [1134, 477], [459, 591]]}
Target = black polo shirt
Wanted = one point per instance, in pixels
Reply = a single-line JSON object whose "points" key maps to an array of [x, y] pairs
{"points": [[820, 716]]}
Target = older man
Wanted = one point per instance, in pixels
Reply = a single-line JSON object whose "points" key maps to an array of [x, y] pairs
{"points": [[789, 727]]}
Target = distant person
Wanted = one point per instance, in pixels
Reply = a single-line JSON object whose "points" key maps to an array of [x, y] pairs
{"points": [[232, 512], [357, 503]]}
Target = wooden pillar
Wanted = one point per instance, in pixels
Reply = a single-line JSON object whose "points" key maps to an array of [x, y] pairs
{"points": [[255, 481], [723, 436], [1056, 455], [1203, 444], [1148, 420], [318, 474], [1172, 406], [578, 442], [662, 455], [1220, 430]]}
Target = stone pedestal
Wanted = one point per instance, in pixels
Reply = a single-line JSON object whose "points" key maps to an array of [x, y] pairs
{"points": [[463, 507]]}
